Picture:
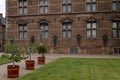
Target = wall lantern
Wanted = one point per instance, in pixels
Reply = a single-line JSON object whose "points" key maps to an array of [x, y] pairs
{"points": [[55, 40], [78, 37], [105, 39]]}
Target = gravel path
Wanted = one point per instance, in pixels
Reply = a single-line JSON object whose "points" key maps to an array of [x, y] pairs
{"points": [[49, 58]]}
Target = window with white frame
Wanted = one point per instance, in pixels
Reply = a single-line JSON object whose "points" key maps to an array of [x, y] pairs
{"points": [[90, 5], [115, 4], [67, 30], [116, 29], [22, 6], [43, 6], [22, 31], [44, 30], [91, 28], [66, 6]]}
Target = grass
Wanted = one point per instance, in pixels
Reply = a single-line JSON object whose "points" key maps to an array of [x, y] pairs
{"points": [[77, 69], [4, 60]]}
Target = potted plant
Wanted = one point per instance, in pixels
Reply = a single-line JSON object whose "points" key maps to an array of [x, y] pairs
{"points": [[41, 50], [30, 63], [14, 52]]}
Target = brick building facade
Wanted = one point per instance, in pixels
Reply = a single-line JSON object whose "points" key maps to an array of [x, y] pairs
{"points": [[66, 26]]}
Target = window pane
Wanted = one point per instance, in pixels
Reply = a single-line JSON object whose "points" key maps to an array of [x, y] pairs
{"points": [[69, 8], [114, 33], [114, 25], [41, 9], [41, 2], [46, 9], [46, 27], [41, 27], [94, 25], [88, 1], [25, 3], [114, 6], [88, 25], [25, 10], [25, 28], [64, 27], [46, 2], [64, 8], [64, 34], [88, 33], [64, 1], [93, 7], [25, 35], [20, 28], [20, 35], [46, 34], [69, 26], [69, 34], [69, 1], [20, 2], [94, 33], [88, 7], [20, 11]]}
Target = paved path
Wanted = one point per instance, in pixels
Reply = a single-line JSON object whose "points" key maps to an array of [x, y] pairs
{"points": [[49, 58]]}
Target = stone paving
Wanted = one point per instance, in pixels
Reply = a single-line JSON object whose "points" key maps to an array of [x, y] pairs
{"points": [[49, 58]]}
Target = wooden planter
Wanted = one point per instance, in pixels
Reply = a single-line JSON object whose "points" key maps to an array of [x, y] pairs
{"points": [[13, 71], [41, 60], [30, 64]]}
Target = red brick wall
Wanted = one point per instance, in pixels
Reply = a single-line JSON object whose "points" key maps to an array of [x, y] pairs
{"points": [[79, 16]]}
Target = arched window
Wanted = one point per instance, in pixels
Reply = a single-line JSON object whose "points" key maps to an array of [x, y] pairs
{"points": [[22, 31], [91, 28], [116, 28], [66, 29], [43, 28]]}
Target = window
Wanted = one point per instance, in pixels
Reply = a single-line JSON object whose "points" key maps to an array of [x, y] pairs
{"points": [[116, 29], [22, 31], [91, 5], [67, 30], [43, 6], [67, 6], [43, 30], [116, 50], [115, 4], [22, 6], [91, 28]]}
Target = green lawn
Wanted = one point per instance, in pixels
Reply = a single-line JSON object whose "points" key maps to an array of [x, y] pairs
{"points": [[77, 69], [4, 60]]}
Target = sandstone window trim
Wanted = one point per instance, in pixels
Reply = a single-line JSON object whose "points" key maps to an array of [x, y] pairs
{"points": [[43, 6], [22, 5], [22, 31], [66, 6], [91, 28], [115, 5], [91, 6]]}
